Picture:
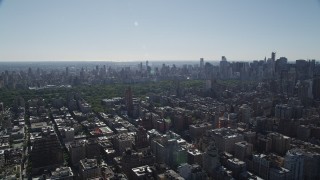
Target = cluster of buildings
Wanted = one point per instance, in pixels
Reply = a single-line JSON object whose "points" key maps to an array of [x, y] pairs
{"points": [[267, 129], [286, 73], [12, 141]]}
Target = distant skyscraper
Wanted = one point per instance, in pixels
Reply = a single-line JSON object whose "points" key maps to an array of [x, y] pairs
{"points": [[224, 67], [302, 69], [281, 64], [129, 101], [273, 56], [201, 63], [272, 64]]}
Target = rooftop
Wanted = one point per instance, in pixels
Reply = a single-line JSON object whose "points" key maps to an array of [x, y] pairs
{"points": [[225, 133], [236, 161], [142, 170], [88, 163], [61, 172]]}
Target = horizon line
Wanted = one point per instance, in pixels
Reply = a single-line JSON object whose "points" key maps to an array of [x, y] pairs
{"points": [[128, 61]]}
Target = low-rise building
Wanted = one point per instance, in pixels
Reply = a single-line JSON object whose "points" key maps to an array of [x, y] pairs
{"points": [[89, 169], [62, 173]]}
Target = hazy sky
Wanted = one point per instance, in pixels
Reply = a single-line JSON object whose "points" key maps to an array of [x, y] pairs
{"points": [[37, 30]]}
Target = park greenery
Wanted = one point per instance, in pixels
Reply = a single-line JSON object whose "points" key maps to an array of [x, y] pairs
{"points": [[93, 94]]}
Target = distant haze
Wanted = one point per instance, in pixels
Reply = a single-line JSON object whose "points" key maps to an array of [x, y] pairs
{"points": [[139, 30]]}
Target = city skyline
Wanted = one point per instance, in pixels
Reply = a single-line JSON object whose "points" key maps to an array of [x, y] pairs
{"points": [[158, 30], [147, 120]]}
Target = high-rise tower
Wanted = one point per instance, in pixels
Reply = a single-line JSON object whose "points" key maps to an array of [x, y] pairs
{"points": [[201, 63], [273, 56], [129, 101]]}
